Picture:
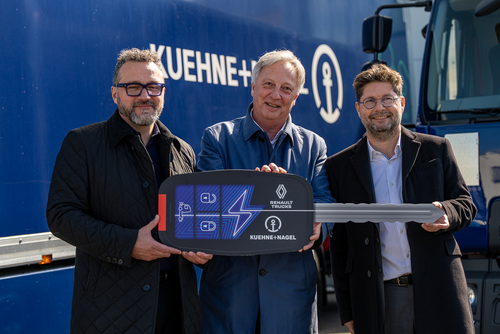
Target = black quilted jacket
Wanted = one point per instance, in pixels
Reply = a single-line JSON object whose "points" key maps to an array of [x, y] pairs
{"points": [[103, 191]]}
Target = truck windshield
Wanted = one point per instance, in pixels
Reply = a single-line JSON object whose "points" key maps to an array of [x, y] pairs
{"points": [[463, 68]]}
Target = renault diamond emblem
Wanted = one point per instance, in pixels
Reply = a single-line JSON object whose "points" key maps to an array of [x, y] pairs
{"points": [[281, 191]]}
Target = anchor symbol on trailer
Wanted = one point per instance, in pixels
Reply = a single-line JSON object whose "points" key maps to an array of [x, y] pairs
{"points": [[330, 115]]}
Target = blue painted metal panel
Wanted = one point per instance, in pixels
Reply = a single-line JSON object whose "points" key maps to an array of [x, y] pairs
{"points": [[38, 302], [59, 57], [57, 65], [476, 237]]}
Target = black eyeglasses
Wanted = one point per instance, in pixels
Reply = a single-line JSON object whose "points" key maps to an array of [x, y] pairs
{"points": [[387, 102], [135, 89]]}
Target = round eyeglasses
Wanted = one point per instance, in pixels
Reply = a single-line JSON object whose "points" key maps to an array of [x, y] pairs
{"points": [[135, 89], [387, 102]]}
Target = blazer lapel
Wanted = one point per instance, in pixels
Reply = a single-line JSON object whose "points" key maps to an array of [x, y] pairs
{"points": [[361, 164], [410, 147]]}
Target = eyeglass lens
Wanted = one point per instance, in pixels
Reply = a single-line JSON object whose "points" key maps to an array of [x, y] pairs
{"points": [[386, 102], [136, 90]]}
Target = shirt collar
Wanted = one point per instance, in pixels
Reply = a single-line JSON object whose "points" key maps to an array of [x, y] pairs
{"points": [[156, 131], [273, 142], [250, 126], [373, 152]]}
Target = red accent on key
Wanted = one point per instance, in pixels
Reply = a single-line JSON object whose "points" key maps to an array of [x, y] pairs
{"points": [[162, 212]]}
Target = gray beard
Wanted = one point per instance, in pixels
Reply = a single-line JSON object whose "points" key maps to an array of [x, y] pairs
{"points": [[145, 118], [383, 133]]}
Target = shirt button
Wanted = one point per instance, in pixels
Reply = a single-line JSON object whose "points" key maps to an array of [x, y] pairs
{"points": [[407, 255], [369, 273], [392, 184], [145, 185], [262, 272], [389, 163], [379, 270], [367, 241], [261, 139], [401, 231], [147, 287]]}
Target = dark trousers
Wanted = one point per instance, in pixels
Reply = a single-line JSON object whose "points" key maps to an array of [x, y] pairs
{"points": [[399, 311], [169, 316]]}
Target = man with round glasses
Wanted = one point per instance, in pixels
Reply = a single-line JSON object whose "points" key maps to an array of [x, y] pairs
{"points": [[402, 278], [103, 200]]}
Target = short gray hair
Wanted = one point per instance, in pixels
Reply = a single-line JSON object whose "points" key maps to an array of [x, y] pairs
{"points": [[277, 56], [134, 54]]}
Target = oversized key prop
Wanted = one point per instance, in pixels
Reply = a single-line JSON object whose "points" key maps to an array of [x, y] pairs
{"points": [[242, 212]]}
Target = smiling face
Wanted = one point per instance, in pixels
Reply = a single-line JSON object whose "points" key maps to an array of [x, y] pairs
{"points": [[142, 110], [381, 123], [274, 94]]}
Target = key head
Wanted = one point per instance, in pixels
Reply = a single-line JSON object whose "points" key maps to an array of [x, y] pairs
{"points": [[236, 212]]}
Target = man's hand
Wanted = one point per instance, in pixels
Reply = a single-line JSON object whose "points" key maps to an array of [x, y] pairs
{"points": [[197, 258], [148, 249], [272, 168], [314, 237], [350, 326], [440, 224]]}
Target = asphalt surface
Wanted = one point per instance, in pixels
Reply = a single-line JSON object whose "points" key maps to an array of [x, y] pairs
{"points": [[328, 318]]}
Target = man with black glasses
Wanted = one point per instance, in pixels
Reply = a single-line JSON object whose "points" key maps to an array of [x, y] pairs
{"points": [[103, 200], [398, 278]]}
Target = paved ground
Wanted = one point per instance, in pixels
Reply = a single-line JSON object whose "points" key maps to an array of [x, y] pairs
{"points": [[328, 318]]}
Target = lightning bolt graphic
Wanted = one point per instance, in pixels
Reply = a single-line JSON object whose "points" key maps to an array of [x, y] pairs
{"points": [[242, 211]]}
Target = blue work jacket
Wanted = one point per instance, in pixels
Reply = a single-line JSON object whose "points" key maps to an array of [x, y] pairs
{"points": [[282, 287]]}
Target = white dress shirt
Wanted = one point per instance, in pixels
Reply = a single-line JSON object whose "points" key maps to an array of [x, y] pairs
{"points": [[387, 181]]}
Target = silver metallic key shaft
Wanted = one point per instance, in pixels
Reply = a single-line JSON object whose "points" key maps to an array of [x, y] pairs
{"points": [[361, 213]]}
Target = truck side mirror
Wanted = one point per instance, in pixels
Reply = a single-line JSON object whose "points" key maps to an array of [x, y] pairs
{"points": [[487, 7], [377, 31], [424, 30]]}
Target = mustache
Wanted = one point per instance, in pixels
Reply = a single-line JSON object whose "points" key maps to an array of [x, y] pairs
{"points": [[380, 114], [143, 103]]}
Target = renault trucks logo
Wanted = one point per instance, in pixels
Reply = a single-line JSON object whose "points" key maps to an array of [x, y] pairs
{"points": [[329, 114], [281, 191]]}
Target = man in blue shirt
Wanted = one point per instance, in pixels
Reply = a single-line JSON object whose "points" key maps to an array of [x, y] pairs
{"points": [[273, 293]]}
